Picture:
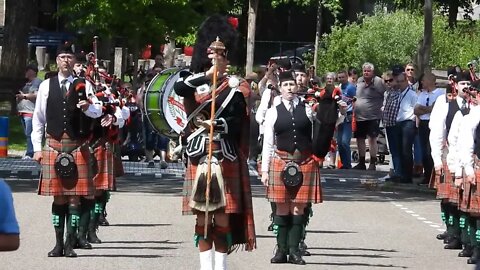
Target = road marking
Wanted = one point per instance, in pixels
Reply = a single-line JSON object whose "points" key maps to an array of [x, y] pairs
{"points": [[342, 180], [418, 217]]}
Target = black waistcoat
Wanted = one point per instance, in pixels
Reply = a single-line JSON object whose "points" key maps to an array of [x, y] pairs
{"points": [[452, 110], [62, 117], [293, 131]]}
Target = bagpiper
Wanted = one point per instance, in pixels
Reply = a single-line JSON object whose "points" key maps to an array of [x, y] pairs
{"points": [[63, 111], [222, 202]]}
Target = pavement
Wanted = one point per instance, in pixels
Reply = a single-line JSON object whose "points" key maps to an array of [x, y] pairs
{"points": [[362, 224]]}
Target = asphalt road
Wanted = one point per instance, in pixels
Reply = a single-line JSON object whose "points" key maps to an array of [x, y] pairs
{"points": [[359, 226]]}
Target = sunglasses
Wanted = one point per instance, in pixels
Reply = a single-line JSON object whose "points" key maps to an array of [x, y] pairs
{"points": [[388, 81], [410, 69]]}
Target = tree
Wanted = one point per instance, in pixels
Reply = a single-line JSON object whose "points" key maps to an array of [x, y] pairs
{"points": [[252, 17], [425, 50], [140, 22], [14, 49]]}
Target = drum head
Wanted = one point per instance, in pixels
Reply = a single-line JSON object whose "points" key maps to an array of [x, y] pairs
{"points": [[164, 108]]}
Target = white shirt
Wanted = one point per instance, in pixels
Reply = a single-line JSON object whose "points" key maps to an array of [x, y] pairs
{"points": [[466, 140], [438, 127], [262, 108], [408, 99], [453, 155], [39, 120], [269, 131], [432, 97]]}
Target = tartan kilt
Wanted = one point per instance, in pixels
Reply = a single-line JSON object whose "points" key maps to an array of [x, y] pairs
{"points": [[443, 189], [117, 163], [232, 171], [104, 180], [309, 192], [50, 184], [474, 206]]}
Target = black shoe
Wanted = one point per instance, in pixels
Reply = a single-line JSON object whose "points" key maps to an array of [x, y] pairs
{"points": [[280, 257], [270, 227], [360, 166], [453, 244], [82, 241], [57, 251], [296, 258], [442, 236], [68, 248], [92, 235], [448, 239], [475, 256], [467, 251], [102, 220], [305, 252]]}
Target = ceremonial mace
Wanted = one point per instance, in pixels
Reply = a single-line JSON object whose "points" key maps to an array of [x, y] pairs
{"points": [[219, 48]]}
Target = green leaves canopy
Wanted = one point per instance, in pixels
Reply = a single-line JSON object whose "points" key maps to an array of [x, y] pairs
{"points": [[142, 20]]}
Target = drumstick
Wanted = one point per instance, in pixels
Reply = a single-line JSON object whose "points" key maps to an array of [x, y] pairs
{"points": [[218, 48]]}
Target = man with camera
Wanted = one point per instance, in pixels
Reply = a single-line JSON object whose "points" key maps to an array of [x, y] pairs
{"points": [[26, 104]]}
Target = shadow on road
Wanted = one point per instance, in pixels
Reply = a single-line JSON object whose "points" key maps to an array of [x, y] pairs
{"points": [[142, 242], [351, 255], [359, 264], [328, 232], [120, 256], [135, 248], [354, 249], [139, 225]]}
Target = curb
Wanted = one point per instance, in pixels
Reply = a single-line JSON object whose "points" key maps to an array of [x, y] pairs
{"points": [[411, 188]]}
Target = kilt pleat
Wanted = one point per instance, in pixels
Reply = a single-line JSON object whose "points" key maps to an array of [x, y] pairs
{"points": [[309, 192], [443, 189], [474, 203], [104, 179], [50, 184]]}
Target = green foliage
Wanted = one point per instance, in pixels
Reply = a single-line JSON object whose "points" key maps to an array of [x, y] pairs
{"points": [[393, 38], [383, 39], [145, 21], [189, 38]]}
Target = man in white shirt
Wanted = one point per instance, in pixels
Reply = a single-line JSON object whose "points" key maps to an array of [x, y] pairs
{"points": [[64, 116], [441, 118], [406, 126], [425, 101]]}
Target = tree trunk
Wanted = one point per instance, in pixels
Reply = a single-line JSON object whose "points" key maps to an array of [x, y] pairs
{"points": [[425, 46], [318, 33], [252, 17], [452, 13], [15, 49]]}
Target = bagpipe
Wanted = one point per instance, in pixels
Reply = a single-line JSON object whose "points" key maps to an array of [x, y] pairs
{"points": [[77, 93]]}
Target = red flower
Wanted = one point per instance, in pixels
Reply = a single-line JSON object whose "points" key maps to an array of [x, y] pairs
{"points": [[233, 22]]}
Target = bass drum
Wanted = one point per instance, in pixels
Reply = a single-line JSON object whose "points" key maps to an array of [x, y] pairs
{"points": [[163, 107]]}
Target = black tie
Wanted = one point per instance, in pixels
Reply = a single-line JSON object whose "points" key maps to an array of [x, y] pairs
{"points": [[64, 86], [291, 107], [464, 104]]}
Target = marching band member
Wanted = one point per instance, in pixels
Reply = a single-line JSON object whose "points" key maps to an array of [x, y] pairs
{"points": [[63, 113], [441, 118], [469, 155], [289, 170], [230, 214]]}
